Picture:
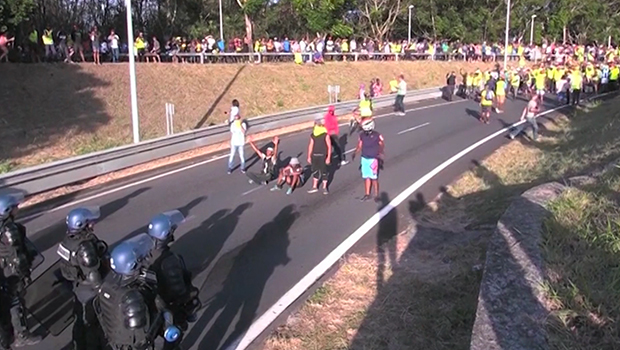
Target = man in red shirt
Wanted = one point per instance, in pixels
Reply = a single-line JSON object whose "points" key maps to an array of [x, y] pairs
{"points": [[331, 124]]}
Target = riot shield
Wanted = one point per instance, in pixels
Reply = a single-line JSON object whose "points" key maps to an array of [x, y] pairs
{"points": [[50, 300], [38, 258]]}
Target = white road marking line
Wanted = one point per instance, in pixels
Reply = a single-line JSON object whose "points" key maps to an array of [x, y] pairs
{"points": [[257, 328], [413, 110], [414, 128], [176, 171], [252, 190]]}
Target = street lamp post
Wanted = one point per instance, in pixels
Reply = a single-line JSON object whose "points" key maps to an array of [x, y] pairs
{"points": [[532, 31], [133, 90], [507, 34], [221, 23], [409, 31]]}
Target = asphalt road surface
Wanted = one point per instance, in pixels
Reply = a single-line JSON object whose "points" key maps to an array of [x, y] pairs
{"points": [[248, 246]]}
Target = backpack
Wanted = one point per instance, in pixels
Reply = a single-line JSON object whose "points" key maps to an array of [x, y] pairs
{"points": [[489, 95]]}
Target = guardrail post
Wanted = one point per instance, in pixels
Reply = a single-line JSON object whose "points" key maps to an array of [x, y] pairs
{"points": [[169, 119], [202, 58]]}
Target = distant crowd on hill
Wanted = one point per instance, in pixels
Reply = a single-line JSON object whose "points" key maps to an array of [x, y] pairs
{"points": [[94, 46]]}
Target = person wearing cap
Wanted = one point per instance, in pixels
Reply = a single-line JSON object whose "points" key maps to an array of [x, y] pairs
{"points": [[292, 175], [319, 155], [331, 124], [269, 162]]}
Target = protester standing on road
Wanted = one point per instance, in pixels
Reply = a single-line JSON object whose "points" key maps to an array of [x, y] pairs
{"points": [[331, 124], [319, 155], [450, 85], [529, 115], [399, 104], [234, 111], [237, 141], [371, 146]]}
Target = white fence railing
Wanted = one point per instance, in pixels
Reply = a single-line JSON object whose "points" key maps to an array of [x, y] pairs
{"points": [[259, 57]]}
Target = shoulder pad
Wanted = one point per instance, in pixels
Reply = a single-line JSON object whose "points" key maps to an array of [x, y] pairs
{"points": [[148, 276], [63, 252]]}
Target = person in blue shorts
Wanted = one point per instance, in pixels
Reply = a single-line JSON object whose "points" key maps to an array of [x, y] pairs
{"points": [[371, 146]]}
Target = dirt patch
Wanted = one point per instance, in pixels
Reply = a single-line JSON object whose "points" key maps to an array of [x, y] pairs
{"points": [[417, 291], [56, 111]]}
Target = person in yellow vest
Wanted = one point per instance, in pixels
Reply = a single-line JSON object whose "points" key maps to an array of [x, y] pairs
{"points": [[576, 81], [486, 104], [550, 72], [539, 81], [515, 82], [393, 86], [362, 112], [140, 46], [614, 74], [48, 42], [477, 81], [344, 47], [500, 93]]}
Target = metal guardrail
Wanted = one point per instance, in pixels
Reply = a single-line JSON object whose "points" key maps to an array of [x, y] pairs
{"points": [[49, 176]]}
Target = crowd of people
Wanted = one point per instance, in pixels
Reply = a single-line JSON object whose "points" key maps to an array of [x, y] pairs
{"points": [[78, 44]]}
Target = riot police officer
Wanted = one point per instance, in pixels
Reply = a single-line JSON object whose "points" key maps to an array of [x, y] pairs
{"points": [[175, 282], [84, 263], [17, 256], [130, 312]]}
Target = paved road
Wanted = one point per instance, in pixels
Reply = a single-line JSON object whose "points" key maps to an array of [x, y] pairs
{"points": [[247, 245]]}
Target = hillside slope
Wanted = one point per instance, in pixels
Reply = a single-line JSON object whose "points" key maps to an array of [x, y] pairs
{"points": [[56, 111]]}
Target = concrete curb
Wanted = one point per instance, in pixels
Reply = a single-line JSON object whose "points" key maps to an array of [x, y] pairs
{"points": [[511, 314]]}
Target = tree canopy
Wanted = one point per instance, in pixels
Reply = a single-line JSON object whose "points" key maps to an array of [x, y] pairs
{"points": [[582, 21]]}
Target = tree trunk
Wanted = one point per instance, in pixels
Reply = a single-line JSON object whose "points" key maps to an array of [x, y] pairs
{"points": [[248, 33]]}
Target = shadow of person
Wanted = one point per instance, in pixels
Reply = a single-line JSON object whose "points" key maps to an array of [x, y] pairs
{"points": [[54, 234], [386, 245], [243, 283], [473, 113], [202, 244]]}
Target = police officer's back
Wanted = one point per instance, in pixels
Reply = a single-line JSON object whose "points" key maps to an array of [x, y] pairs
{"points": [[175, 285], [84, 263], [16, 263], [129, 310]]}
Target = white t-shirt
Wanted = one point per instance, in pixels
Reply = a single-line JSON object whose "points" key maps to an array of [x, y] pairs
{"points": [[113, 41], [234, 111], [237, 131], [402, 88], [353, 45]]}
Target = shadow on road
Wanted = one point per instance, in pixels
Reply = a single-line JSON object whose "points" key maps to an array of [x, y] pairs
{"points": [[234, 288]]}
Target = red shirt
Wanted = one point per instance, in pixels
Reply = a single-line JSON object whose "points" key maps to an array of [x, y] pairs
{"points": [[331, 123]]}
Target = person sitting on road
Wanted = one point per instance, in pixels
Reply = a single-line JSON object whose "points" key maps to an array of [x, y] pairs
{"points": [[292, 175], [269, 163]]}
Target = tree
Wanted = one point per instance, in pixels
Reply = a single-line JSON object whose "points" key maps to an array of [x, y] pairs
{"points": [[380, 15]]}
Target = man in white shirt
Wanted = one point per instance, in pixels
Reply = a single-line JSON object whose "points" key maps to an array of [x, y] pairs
{"points": [[113, 39], [399, 104], [237, 141], [234, 111]]}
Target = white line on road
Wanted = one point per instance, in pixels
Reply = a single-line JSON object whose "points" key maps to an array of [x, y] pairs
{"points": [[179, 170], [252, 190], [414, 128], [257, 328]]}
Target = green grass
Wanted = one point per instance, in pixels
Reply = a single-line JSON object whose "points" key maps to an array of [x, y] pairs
{"points": [[6, 166], [95, 144], [581, 247]]}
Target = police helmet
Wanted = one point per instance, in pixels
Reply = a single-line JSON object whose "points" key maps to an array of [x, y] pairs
{"points": [[11, 234], [162, 226], [126, 257], [368, 125], [80, 218], [8, 203]]}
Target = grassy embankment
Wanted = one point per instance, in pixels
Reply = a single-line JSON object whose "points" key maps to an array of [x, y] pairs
{"points": [[56, 111], [427, 299]]}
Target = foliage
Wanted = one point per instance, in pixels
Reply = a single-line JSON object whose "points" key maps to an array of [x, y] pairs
{"points": [[583, 21]]}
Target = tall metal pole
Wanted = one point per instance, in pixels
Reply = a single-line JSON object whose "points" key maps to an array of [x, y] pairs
{"points": [[532, 31], [409, 30], [132, 75], [507, 34], [221, 23]]}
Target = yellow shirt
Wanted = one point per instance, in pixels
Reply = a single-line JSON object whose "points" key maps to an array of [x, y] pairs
{"points": [[500, 88], [483, 100]]}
